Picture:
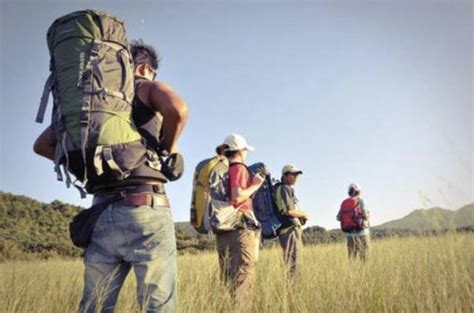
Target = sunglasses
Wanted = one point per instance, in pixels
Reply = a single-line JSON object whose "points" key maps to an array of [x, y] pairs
{"points": [[152, 70]]}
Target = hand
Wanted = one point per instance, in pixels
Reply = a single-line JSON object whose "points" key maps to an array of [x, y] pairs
{"points": [[264, 170], [304, 218], [258, 179]]}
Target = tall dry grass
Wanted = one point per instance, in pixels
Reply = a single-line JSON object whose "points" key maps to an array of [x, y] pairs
{"points": [[433, 274]]}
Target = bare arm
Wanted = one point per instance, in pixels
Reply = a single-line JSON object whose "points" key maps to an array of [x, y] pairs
{"points": [[291, 209], [365, 214], [163, 99], [239, 195], [45, 144], [296, 213]]}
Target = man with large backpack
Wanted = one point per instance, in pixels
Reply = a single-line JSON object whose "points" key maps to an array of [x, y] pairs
{"points": [[133, 227], [293, 219], [354, 218]]}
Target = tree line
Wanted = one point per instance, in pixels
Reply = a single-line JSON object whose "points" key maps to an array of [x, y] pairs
{"points": [[30, 229]]}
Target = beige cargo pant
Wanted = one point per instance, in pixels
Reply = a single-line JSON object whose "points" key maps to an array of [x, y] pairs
{"points": [[291, 242], [237, 259], [358, 246]]}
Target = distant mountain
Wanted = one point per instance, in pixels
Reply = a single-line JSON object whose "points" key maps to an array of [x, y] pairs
{"points": [[433, 219], [464, 216]]}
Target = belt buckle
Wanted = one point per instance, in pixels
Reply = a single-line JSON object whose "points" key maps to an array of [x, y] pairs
{"points": [[158, 189]]}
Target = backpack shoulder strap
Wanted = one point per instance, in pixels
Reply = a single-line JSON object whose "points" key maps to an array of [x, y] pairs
{"points": [[232, 164], [44, 99], [278, 198], [238, 163]]}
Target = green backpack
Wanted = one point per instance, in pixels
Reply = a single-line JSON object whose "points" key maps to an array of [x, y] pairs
{"points": [[92, 82]]}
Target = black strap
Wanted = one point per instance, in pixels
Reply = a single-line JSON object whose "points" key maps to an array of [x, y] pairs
{"points": [[240, 163], [151, 188]]}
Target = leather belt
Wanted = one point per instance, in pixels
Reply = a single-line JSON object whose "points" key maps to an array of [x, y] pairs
{"points": [[139, 199], [136, 195]]}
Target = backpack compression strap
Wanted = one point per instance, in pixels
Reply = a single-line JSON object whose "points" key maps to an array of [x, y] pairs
{"points": [[44, 99]]}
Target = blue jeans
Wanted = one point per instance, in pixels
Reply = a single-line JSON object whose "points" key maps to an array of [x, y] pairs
{"points": [[126, 237]]}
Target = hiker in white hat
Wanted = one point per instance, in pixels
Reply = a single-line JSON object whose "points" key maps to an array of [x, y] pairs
{"points": [[354, 218], [237, 247]]}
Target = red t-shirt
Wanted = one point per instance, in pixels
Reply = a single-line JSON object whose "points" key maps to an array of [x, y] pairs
{"points": [[239, 177]]}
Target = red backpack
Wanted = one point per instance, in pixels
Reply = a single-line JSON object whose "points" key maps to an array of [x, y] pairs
{"points": [[351, 215]]}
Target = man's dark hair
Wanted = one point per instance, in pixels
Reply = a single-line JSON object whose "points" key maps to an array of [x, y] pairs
{"points": [[144, 54]]}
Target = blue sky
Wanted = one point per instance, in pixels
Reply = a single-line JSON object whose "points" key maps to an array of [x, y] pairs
{"points": [[374, 92]]}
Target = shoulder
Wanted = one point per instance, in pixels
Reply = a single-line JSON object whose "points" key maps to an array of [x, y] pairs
{"points": [[237, 168], [154, 85], [286, 190], [147, 90], [159, 86]]}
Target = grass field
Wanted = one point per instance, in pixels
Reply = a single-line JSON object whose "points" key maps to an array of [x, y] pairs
{"points": [[434, 274]]}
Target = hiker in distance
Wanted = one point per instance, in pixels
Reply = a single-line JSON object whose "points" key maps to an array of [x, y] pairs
{"points": [[237, 247], [354, 218], [293, 219], [134, 228]]}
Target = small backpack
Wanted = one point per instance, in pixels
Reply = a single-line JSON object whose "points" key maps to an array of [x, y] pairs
{"points": [[264, 205], [92, 83], [351, 215], [207, 173]]}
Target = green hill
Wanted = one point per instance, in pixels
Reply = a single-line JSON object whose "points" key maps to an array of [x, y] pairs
{"points": [[32, 229], [433, 219], [29, 226]]}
